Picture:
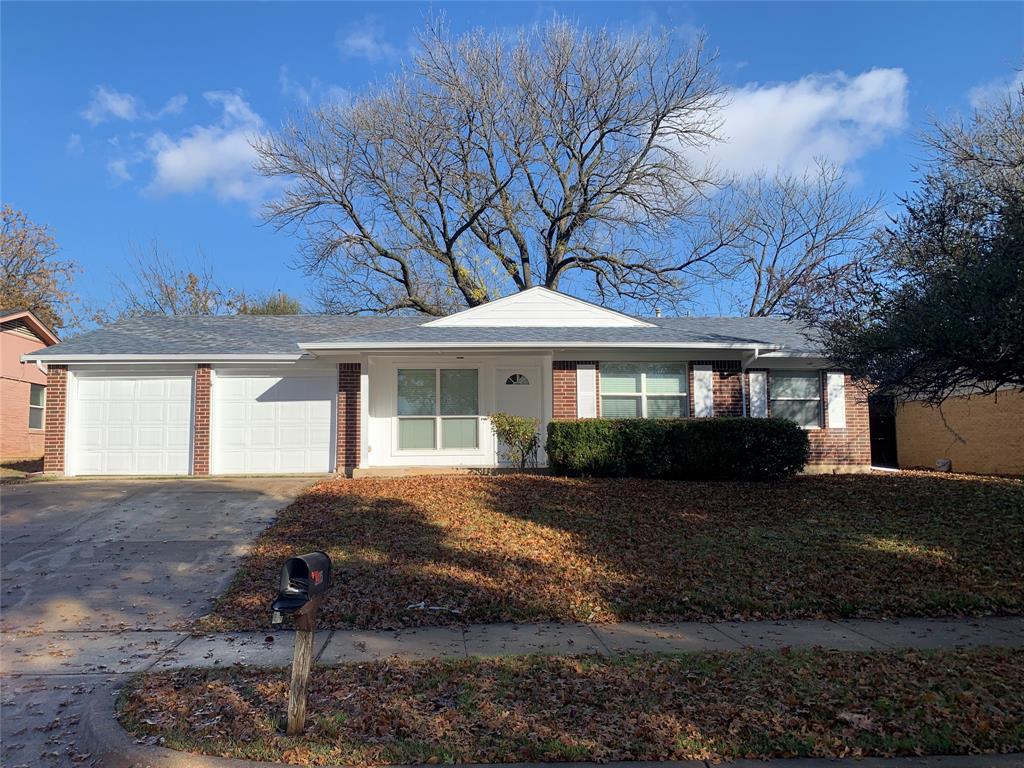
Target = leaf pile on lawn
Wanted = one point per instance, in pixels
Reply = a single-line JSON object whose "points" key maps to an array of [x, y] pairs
{"points": [[534, 548], [688, 706]]}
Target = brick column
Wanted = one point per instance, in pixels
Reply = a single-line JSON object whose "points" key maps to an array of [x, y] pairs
{"points": [[201, 422], [56, 417], [348, 417]]}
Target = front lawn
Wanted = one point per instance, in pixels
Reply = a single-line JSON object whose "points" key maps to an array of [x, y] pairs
{"points": [[677, 707], [439, 550]]}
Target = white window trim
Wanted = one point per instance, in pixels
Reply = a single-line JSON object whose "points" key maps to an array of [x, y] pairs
{"points": [[643, 394], [40, 408], [437, 417], [772, 397]]}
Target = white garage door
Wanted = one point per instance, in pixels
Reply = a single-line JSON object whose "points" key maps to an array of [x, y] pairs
{"points": [[265, 424], [131, 425]]}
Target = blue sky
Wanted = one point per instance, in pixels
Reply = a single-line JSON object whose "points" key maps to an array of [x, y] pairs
{"points": [[127, 122]]}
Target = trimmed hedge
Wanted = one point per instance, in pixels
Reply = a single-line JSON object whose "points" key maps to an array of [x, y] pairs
{"points": [[678, 449]]}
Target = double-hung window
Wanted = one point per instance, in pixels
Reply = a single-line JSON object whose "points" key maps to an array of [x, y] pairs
{"points": [[36, 406], [438, 406], [796, 395], [644, 390]]}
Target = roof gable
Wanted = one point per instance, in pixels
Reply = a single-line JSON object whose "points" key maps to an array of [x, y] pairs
{"points": [[539, 308], [24, 321]]}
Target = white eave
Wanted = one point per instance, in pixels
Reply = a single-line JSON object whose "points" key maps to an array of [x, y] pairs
{"points": [[343, 346], [191, 358]]}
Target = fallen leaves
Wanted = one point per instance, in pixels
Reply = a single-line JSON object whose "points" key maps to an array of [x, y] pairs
{"points": [[673, 707], [441, 550]]}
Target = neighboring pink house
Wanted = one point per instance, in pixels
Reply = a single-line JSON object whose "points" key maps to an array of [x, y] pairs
{"points": [[22, 385]]}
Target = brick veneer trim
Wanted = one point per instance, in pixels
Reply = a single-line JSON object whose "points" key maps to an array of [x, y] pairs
{"points": [[349, 396], [201, 421], [56, 419]]}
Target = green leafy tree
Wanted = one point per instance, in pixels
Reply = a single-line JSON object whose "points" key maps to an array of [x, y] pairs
{"points": [[947, 314]]}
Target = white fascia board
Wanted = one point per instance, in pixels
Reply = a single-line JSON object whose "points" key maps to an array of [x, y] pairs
{"points": [[318, 347], [72, 358]]}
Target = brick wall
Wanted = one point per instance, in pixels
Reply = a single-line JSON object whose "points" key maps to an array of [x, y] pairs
{"points": [[348, 417], [17, 441], [201, 422], [850, 446], [56, 412], [563, 389], [989, 433]]}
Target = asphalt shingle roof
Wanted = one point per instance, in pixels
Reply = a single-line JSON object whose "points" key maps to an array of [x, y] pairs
{"points": [[281, 335]]}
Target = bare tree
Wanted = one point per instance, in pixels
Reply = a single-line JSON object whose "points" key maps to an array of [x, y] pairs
{"points": [[157, 284], [33, 274], [800, 242], [493, 164]]}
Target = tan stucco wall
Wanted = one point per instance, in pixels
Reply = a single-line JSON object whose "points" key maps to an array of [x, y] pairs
{"points": [[992, 428]]}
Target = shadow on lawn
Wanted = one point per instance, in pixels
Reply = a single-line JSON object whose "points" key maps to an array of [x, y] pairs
{"points": [[533, 548]]}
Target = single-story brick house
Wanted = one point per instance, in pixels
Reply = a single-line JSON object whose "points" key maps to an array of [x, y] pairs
{"points": [[304, 393], [22, 384]]}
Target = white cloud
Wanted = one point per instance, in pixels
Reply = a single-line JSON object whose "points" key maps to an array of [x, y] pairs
{"points": [[174, 106], [217, 158], [987, 93], [787, 125], [73, 146], [317, 92], [364, 40], [109, 104], [118, 170]]}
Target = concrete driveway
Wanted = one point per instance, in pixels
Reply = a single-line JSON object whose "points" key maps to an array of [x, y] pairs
{"points": [[99, 578]]}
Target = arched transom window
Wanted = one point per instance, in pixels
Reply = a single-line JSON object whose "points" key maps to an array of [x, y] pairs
{"points": [[517, 379]]}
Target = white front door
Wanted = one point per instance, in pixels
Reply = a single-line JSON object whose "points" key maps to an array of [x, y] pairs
{"points": [[272, 424], [518, 391], [131, 425]]}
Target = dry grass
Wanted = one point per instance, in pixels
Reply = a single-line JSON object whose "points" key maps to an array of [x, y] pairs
{"points": [[692, 706], [534, 548]]}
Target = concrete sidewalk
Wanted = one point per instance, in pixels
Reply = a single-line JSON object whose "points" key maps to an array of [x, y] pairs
{"points": [[114, 653]]}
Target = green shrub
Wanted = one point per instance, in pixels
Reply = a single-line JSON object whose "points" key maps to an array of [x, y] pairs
{"points": [[680, 449], [520, 436]]}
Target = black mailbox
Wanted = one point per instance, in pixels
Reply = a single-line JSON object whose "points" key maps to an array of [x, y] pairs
{"points": [[304, 580]]}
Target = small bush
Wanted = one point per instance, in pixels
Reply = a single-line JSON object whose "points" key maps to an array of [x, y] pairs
{"points": [[679, 449], [520, 436]]}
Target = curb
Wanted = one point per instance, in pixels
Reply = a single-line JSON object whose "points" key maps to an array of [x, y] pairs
{"points": [[103, 736]]}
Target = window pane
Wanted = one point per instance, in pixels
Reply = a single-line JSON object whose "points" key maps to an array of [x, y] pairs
{"points": [[620, 377], [458, 433], [36, 395], [666, 407], [802, 386], [666, 379], [416, 434], [416, 392], [620, 407], [803, 412], [458, 392], [35, 418]]}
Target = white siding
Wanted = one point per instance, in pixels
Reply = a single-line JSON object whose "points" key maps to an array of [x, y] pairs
{"points": [[539, 308], [836, 383], [758, 394]]}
